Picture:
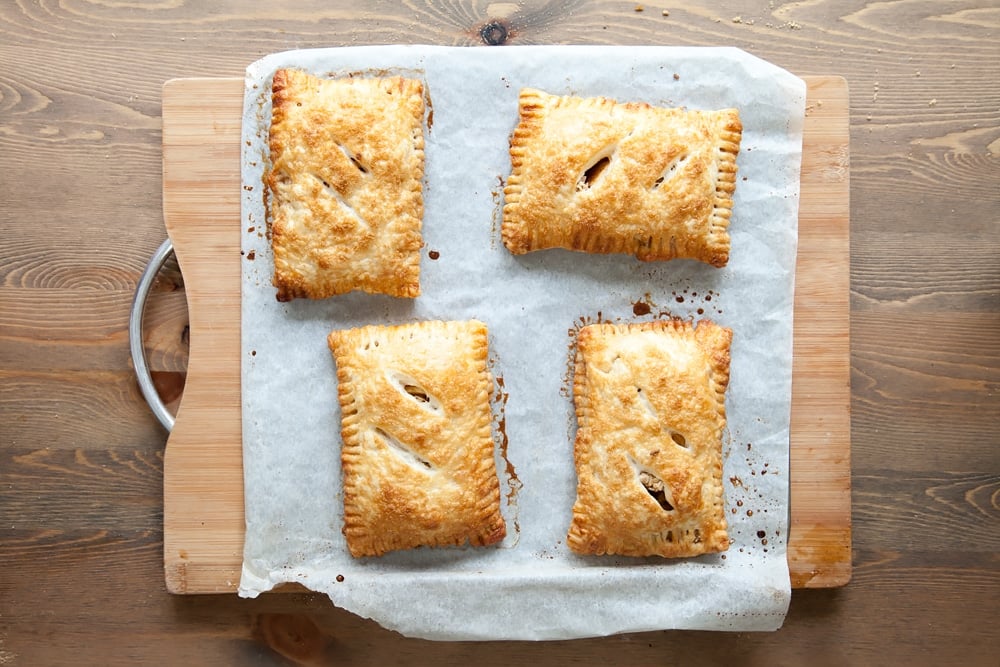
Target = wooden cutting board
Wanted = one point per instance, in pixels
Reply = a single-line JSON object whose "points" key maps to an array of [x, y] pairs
{"points": [[203, 475]]}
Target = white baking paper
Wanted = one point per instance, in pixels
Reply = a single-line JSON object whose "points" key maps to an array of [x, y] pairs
{"points": [[530, 586]]}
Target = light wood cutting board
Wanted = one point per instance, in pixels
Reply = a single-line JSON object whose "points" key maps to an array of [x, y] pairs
{"points": [[203, 474]]}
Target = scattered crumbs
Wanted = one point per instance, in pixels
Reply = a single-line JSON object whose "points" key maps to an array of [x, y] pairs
{"points": [[677, 77], [433, 254], [252, 255], [792, 25], [932, 103], [737, 19], [667, 13], [639, 8], [250, 230]]}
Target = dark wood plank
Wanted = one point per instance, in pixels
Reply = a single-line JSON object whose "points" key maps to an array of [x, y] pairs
{"points": [[87, 330], [927, 512], [82, 488], [72, 409], [958, 271], [925, 389]]}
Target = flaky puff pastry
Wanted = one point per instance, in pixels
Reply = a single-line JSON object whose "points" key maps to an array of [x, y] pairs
{"points": [[417, 451], [344, 181], [593, 175], [650, 408]]}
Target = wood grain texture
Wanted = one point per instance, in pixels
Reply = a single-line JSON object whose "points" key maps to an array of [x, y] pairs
{"points": [[203, 481], [201, 158], [80, 104]]}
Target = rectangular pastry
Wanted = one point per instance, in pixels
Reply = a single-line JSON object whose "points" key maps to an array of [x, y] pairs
{"points": [[417, 451], [345, 198], [650, 408], [593, 175]]}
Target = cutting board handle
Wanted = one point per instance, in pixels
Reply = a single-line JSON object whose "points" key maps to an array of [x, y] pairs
{"points": [[136, 346]]}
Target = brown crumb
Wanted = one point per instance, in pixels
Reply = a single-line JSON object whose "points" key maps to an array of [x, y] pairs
{"points": [[677, 77], [639, 8]]}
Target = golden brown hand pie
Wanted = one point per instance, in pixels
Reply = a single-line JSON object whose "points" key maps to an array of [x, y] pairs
{"points": [[650, 407], [345, 202], [593, 175], [416, 426]]}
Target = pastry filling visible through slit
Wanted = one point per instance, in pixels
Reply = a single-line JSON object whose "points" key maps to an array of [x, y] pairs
{"points": [[594, 172], [353, 158], [656, 488], [417, 393], [411, 388]]}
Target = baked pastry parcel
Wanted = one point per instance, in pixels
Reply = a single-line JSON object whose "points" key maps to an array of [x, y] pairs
{"points": [[417, 455], [597, 176], [650, 407], [344, 183]]}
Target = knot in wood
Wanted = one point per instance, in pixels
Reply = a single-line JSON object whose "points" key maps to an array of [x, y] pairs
{"points": [[493, 33]]}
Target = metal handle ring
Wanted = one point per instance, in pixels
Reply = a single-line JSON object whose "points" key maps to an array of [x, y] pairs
{"points": [[149, 392]]}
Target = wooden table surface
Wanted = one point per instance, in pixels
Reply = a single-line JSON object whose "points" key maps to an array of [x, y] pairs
{"points": [[81, 456]]}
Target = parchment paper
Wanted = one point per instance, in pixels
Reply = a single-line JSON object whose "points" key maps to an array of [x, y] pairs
{"points": [[531, 586]]}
